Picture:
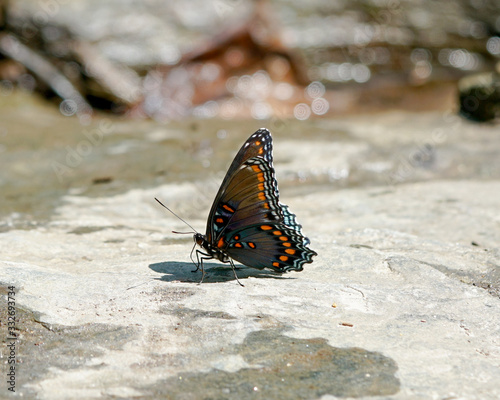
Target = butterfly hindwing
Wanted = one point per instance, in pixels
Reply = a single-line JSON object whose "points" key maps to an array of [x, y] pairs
{"points": [[274, 246], [247, 222], [290, 220]]}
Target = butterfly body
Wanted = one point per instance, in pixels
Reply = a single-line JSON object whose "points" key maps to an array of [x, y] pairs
{"points": [[212, 251], [247, 223]]}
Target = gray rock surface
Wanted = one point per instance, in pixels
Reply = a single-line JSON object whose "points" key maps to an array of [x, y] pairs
{"points": [[402, 301]]}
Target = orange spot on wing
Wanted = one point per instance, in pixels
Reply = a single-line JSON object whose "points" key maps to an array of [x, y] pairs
{"points": [[287, 244], [283, 258], [261, 186], [220, 243], [219, 220], [237, 237], [283, 238], [277, 233], [257, 143], [266, 205], [260, 151], [256, 168], [226, 207], [290, 251], [266, 227], [260, 177], [276, 264], [238, 244], [252, 245], [261, 196]]}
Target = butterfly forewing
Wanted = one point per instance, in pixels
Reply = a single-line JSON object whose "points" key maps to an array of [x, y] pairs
{"points": [[247, 222], [249, 191]]}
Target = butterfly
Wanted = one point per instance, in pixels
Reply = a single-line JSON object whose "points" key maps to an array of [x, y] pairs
{"points": [[247, 223]]}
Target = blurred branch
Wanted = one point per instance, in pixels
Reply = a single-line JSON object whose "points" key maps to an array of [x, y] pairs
{"points": [[11, 47], [122, 82]]}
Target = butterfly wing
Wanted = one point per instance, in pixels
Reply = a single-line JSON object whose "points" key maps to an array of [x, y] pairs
{"points": [[249, 192], [247, 221], [274, 245]]}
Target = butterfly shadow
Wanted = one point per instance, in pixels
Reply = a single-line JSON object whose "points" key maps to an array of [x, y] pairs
{"points": [[214, 272]]}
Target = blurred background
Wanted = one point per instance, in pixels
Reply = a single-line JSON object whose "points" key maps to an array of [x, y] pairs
{"points": [[100, 96], [251, 59]]}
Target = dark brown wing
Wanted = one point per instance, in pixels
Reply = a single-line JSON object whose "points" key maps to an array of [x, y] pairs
{"points": [[249, 192], [247, 220]]}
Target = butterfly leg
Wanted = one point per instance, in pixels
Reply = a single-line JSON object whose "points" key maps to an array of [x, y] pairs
{"points": [[199, 264], [197, 258], [234, 271]]}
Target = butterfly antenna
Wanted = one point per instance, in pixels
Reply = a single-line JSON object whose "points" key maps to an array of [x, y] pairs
{"points": [[163, 205]]}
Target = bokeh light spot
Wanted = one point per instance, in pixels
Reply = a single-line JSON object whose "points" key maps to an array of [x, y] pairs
{"points": [[302, 111]]}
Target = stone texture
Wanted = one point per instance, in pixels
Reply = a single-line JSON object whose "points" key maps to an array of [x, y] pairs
{"points": [[402, 301], [396, 277]]}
